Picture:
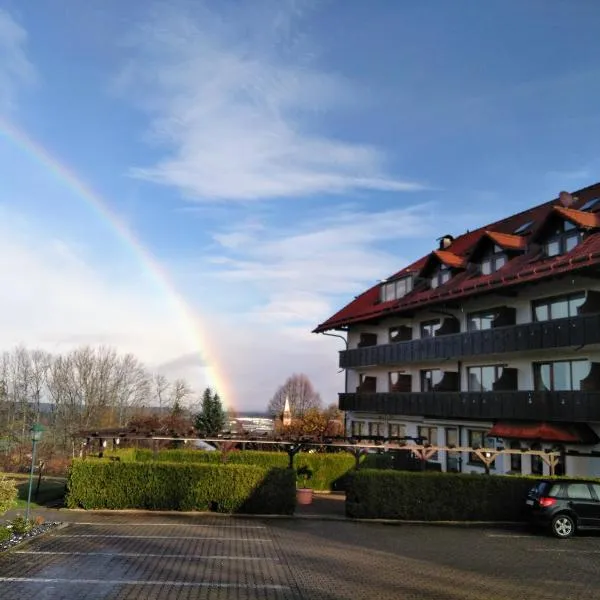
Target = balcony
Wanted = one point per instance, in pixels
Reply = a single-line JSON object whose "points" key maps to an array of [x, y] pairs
{"points": [[568, 406], [559, 333]]}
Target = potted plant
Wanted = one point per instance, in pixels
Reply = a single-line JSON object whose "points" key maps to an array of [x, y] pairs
{"points": [[304, 494]]}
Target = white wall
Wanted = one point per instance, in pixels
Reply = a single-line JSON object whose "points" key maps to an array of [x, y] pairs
{"points": [[522, 303]]}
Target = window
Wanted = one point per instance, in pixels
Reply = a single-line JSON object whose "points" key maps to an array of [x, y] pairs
{"points": [[579, 491], [368, 384], [401, 333], [563, 375], [376, 429], [357, 428], [523, 228], [493, 261], [396, 430], [482, 379], [367, 339], [399, 382], [429, 328], [430, 378], [441, 276], [453, 459], [596, 488], [590, 204], [393, 290], [563, 239], [537, 465], [428, 435], [515, 459], [478, 439], [481, 320], [558, 307]]}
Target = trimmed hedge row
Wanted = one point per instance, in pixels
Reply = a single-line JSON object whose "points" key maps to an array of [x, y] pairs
{"points": [[95, 484], [376, 494], [328, 470]]}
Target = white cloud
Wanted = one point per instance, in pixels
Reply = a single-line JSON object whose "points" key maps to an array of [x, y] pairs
{"points": [[15, 68], [231, 100], [54, 298]]}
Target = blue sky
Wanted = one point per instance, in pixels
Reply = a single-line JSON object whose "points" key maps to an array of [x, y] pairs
{"points": [[275, 157]]}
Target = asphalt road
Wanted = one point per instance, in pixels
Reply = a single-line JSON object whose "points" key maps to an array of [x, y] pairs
{"points": [[167, 557]]}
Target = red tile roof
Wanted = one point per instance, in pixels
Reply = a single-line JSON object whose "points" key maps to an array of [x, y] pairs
{"points": [[450, 259], [506, 240], [532, 265], [579, 217]]}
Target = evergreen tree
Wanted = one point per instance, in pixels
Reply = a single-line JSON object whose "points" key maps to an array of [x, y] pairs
{"points": [[211, 419]]}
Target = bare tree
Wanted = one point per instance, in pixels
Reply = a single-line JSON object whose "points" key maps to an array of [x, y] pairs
{"points": [[161, 389], [301, 394], [180, 391]]}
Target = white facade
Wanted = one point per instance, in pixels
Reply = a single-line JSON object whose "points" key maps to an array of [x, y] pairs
{"points": [[367, 423]]}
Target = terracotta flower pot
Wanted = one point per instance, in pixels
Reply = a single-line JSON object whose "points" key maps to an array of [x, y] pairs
{"points": [[304, 495]]}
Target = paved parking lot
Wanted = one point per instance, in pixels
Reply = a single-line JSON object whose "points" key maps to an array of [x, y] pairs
{"points": [[166, 557]]}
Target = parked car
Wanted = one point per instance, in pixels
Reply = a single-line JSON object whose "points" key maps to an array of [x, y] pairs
{"points": [[564, 507]]}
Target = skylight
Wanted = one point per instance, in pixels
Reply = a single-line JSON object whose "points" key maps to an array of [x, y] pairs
{"points": [[590, 204], [523, 228]]}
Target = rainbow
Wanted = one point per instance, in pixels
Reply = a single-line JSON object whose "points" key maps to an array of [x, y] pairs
{"points": [[190, 322]]}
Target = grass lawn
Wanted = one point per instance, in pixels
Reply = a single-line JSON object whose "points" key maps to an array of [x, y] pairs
{"points": [[52, 490]]}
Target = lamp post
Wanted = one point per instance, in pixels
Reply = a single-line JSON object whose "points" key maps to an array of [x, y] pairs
{"points": [[36, 432]]}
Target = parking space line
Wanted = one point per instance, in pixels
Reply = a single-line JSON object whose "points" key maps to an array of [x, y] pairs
{"points": [[159, 537], [144, 555], [191, 584], [146, 524], [569, 550], [509, 535]]}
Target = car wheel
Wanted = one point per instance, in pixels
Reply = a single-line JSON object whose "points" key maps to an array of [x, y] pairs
{"points": [[563, 526]]}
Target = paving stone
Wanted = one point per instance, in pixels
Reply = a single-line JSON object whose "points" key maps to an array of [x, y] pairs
{"points": [[127, 557]]}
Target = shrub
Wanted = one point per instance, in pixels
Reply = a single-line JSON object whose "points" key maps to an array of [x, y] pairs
{"points": [[96, 484], [329, 470], [21, 525], [5, 533], [435, 496], [8, 494]]}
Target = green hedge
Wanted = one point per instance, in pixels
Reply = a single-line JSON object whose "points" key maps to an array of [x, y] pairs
{"points": [[100, 483], [373, 494], [8, 494], [329, 470]]}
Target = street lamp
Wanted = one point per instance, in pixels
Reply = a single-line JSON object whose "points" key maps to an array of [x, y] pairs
{"points": [[36, 432]]}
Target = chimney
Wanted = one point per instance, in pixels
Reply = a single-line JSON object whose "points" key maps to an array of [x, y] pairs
{"points": [[445, 241], [566, 199]]}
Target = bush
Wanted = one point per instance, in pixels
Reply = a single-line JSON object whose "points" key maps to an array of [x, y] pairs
{"points": [[5, 533], [435, 496], [94, 484], [21, 525], [329, 470], [8, 494]]}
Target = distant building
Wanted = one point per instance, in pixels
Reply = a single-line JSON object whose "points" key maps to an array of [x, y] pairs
{"points": [[287, 413], [252, 423], [491, 340]]}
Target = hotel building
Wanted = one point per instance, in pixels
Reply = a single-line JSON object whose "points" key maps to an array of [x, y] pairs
{"points": [[491, 340]]}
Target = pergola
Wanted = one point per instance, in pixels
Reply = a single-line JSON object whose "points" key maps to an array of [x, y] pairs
{"points": [[357, 448]]}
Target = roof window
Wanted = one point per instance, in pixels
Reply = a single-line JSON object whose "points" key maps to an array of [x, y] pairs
{"points": [[590, 204], [394, 290], [523, 228]]}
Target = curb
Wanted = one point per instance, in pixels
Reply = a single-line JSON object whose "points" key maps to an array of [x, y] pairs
{"points": [[300, 517]]}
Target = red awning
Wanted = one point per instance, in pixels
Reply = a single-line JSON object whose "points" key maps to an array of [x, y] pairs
{"points": [[545, 432]]}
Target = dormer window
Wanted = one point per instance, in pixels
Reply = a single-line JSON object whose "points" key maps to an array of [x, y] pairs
{"points": [[493, 261], [394, 290], [563, 239], [442, 275]]}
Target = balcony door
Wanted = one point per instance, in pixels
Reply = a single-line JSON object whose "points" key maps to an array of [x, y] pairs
{"points": [[453, 459]]}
